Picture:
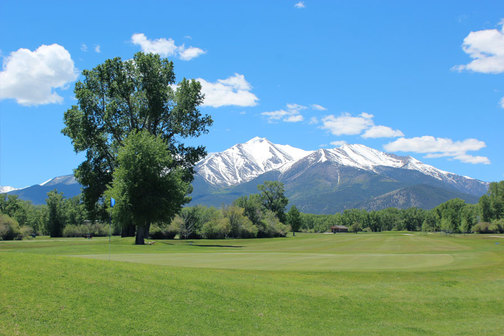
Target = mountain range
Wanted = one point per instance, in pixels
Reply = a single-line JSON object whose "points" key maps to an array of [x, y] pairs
{"points": [[321, 181]]}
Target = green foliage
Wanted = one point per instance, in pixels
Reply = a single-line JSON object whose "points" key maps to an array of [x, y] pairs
{"points": [[160, 231], [148, 185], [118, 98], [87, 229], [241, 226], [271, 226], [355, 227], [216, 228], [252, 207], [9, 228], [273, 198], [56, 217], [430, 223], [294, 219]]}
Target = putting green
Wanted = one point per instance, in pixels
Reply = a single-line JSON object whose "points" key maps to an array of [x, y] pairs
{"points": [[310, 261]]}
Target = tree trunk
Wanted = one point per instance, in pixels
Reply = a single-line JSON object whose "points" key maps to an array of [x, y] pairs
{"points": [[142, 232]]}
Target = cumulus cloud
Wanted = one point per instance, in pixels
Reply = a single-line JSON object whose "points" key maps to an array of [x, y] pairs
{"points": [[234, 90], [381, 132], [346, 124], [97, 49], [486, 48], [291, 114], [338, 143], [165, 47], [299, 4], [318, 107], [440, 147], [30, 77], [187, 54]]}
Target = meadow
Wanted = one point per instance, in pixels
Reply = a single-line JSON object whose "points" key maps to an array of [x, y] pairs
{"points": [[390, 283]]}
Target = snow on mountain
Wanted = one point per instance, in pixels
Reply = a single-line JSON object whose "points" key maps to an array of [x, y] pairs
{"points": [[66, 179], [6, 189], [244, 162]]}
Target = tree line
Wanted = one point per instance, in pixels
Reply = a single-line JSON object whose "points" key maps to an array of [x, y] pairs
{"points": [[256, 215], [453, 216]]}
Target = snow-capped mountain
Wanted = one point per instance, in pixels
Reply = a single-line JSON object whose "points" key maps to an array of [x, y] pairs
{"points": [[323, 181], [6, 189], [244, 162]]}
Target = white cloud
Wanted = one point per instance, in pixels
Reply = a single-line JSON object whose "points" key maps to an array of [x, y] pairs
{"points": [[234, 90], [440, 147], [381, 132], [345, 124], [318, 107], [97, 49], [338, 143], [299, 4], [83, 47], [187, 54], [313, 121], [165, 47], [294, 118], [30, 77], [486, 48], [291, 114], [501, 102]]}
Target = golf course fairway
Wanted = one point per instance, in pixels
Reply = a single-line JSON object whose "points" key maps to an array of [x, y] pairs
{"points": [[391, 283]]}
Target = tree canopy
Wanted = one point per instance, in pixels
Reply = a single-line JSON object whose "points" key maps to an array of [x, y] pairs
{"points": [[145, 189], [118, 98]]}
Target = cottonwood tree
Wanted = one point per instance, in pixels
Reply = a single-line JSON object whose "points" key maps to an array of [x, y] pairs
{"points": [[273, 198], [294, 219], [119, 97], [146, 186]]}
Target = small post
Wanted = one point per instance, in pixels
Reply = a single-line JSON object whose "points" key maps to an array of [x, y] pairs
{"points": [[112, 203]]}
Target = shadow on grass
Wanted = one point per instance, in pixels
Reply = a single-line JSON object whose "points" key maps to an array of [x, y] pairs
{"points": [[202, 245]]}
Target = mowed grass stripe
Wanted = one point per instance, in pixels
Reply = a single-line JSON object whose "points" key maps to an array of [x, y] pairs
{"points": [[311, 262]]}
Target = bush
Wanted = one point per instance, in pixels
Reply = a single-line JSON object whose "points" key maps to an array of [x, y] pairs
{"points": [[160, 231], [88, 229], [271, 226], [218, 228], [9, 228], [483, 227], [26, 231]]}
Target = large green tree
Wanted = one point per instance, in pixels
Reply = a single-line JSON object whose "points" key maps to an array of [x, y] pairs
{"points": [[273, 198], [56, 217], [294, 219], [147, 190], [119, 97]]}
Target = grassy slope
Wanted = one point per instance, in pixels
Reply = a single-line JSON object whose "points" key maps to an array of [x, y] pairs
{"points": [[44, 292]]}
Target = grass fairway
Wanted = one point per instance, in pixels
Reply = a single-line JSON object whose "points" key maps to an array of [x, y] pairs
{"points": [[345, 284]]}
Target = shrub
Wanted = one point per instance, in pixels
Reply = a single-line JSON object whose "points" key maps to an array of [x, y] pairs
{"points": [[92, 229], [160, 231], [218, 228], [26, 231], [482, 227], [73, 231], [271, 226], [9, 228]]}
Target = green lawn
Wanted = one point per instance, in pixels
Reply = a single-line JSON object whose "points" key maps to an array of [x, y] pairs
{"points": [[313, 284]]}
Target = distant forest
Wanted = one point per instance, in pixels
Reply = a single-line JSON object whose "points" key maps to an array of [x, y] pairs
{"points": [[256, 215]]}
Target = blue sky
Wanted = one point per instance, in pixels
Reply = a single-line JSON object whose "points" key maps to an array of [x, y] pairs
{"points": [[420, 78]]}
